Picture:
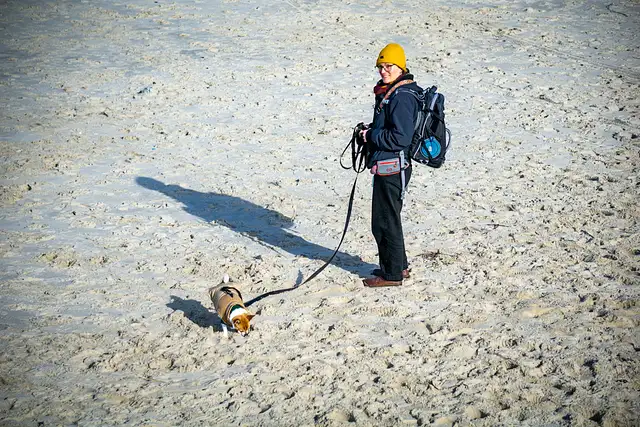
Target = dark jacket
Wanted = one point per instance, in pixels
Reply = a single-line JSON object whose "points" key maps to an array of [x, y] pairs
{"points": [[393, 123]]}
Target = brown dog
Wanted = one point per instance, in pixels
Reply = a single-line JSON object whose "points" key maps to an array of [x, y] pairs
{"points": [[230, 307]]}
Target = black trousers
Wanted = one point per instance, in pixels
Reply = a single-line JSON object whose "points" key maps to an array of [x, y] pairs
{"points": [[386, 224]]}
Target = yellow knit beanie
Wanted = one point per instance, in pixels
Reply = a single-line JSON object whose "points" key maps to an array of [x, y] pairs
{"points": [[393, 54]]}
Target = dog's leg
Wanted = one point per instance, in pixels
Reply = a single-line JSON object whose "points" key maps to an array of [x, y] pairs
{"points": [[225, 333]]}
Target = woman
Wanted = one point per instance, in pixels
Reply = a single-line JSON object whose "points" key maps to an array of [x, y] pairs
{"points": [[389, 137]]}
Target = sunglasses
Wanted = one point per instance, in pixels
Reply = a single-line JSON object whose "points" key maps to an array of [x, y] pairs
{"points": [[387, 67]]}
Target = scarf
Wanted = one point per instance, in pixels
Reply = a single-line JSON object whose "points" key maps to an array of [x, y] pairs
{"points": [[382, 88]]}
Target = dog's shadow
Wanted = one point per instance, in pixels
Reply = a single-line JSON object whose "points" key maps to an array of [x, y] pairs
{"points": [[196, 312]]}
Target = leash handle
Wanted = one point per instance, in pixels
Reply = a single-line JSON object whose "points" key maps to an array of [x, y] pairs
{"points": [[359, 152]]}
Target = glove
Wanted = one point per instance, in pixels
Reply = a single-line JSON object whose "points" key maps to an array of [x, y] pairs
{"points": [[360, 133], [362, 137]]}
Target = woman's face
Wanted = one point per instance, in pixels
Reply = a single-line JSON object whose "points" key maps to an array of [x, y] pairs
{"points": [[389, 72]]}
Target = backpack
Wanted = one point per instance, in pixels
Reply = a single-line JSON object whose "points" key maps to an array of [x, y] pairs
{"points": [[431, 138]]}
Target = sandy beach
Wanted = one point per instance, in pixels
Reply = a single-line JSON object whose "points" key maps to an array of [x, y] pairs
{"points": [[148, 148]]}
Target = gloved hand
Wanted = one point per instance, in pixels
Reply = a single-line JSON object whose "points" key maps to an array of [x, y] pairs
{"points": [[362, 136], [359, 133]]}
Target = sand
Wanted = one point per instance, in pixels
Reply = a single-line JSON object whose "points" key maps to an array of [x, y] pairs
{"points": [[150, 148]]}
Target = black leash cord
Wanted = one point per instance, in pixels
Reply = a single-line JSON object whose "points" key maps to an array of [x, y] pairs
{"points": [[358, 157]]}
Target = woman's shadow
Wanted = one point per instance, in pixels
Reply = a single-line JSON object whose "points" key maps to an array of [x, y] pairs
{"points": [[261, 224]]}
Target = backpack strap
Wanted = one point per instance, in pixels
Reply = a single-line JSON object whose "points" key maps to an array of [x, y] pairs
{"points": [[403, 161], [403, 179], [393, 88]]}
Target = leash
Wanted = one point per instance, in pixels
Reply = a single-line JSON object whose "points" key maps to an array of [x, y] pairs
{"points": [[359, 154]]}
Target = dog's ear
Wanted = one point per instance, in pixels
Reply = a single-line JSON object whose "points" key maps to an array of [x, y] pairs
{"points": [[250, 316]]}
